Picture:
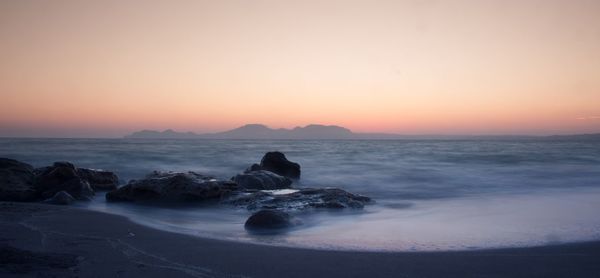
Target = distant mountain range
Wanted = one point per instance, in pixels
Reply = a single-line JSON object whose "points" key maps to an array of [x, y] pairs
{"points": [[315, 131], [256, 131]]}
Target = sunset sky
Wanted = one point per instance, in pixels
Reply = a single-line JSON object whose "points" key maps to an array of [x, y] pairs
{"points": [[107, 68]]}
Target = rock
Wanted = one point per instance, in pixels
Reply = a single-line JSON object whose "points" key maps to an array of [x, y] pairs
{"points": [[62, 176], [172, 187], [60, 198], [301, 199], [64, 164], [99, 179], [16, 181], [276, 162], [268, 219], [263, 180], [253, 167], [21, 182]]}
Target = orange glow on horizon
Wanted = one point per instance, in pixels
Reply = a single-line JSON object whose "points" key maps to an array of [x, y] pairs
{"points": [[107, 68]]}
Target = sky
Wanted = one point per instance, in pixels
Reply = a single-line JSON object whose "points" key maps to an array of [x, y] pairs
{"points": [[106, 68]]}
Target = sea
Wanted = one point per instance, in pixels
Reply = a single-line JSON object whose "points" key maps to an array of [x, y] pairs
{"points": [[430, 195]]}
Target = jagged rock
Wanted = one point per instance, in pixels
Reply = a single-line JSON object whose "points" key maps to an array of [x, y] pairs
{"points": [[64, 164], [61, 176], [21, 182], [268, 219], [277, 163], [253, 167], [263, 180], [172, 187], [301, 199], [99, 179], [16, 181], [60, 198]]}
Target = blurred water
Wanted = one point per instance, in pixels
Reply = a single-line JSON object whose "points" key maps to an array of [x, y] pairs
{"points": [[477, 193]]}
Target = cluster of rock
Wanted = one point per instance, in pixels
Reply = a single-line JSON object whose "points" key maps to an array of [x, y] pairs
{"points": [[264, 188], [61, 183], [172, 187]]}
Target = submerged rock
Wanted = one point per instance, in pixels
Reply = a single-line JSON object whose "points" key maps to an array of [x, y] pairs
{"points": [[269, 219], [16, 181], [171, 187], [263, 180], [62, 176], [277, 163], [301, 199], [60, 198], [99, 179]]}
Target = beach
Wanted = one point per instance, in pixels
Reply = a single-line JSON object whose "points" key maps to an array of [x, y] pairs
{"points": [[40, 240], [234, 138]]}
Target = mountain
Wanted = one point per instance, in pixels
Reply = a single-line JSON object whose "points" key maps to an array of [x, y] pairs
{"points": [[315, 131], [250, 131], [167, 134], [255, 131], [322, 131]]}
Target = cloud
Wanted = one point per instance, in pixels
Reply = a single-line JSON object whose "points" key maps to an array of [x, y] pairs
{"points": [[587, 118]]}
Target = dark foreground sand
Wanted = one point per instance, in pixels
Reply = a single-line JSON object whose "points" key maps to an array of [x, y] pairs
{"points": [[50, 241]]}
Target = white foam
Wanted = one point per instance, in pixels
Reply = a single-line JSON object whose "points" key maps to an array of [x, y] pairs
{"points": [[444, 224], [281, 191], [459, 224]]}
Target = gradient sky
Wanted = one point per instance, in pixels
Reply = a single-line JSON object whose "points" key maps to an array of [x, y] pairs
{"points": [[106, 68]]}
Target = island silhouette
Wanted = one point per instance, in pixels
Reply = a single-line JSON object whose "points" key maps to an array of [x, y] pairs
{"points": [[328, 132]]}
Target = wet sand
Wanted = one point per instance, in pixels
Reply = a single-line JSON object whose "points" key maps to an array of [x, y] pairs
{"points": [[52, 241]]}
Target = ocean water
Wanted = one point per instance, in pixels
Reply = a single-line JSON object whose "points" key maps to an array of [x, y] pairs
{"points": [[430, 194]]}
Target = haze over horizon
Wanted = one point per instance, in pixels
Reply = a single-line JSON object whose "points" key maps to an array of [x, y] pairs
{"points": [[108, 68]]}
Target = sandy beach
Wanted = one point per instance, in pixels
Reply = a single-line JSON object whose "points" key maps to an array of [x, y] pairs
{"points": [[53, 241], [308, 139]]}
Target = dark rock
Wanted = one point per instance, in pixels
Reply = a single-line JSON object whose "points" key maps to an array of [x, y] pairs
{"points": [[268, 219], [276, 162], [62, 176], [301, 199], [172, 187], [16, 181], [60, 198], [64, 164], [99, 179], [263, 180], [253, 167]]}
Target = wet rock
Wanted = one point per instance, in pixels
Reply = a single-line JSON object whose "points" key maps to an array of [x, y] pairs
{"points": [[263, 180], [16, 181], [60, 198], [99, 179], [61, 176], [276, 162], [253, 167], [64, 164], [301, 199], [268, 219], [172, 187]]}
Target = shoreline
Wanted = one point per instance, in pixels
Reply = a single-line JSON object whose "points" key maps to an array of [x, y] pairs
{"points": [[329, 248], [362, 244], [75, 242]]}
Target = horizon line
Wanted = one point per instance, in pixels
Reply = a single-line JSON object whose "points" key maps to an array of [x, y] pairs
{"points": [[200, 133]]}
